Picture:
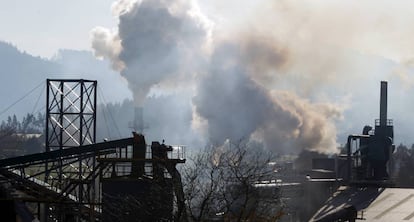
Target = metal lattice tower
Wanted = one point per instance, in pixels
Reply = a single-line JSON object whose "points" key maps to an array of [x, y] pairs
{"points": [[71, 116], [70, 181], [71, 122]]}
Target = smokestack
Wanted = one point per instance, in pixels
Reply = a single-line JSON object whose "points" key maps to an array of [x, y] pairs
{"points": [[138, 124], [383, 104], [168, 43]]}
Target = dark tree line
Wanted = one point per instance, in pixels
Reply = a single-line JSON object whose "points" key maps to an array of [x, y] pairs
{"points": [[30, 124], [21, 137], [403, 166]]}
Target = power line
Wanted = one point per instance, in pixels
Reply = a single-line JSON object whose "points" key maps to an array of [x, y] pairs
{"points": [[38, 98], [106, 122], [100, 92], [23, 97]]}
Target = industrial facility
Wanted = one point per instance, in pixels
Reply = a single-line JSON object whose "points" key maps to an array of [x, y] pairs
{"points": [[78, 179], [367, 191]]}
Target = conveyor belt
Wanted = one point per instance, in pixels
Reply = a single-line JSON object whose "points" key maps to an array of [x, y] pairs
{"points": [[69, 152]]}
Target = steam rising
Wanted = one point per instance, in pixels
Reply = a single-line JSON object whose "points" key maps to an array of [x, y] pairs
{"points": [[236, 93], [107, 45], [159, 40], [236, 106]]}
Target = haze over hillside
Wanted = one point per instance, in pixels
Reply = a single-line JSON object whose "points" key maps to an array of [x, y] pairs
{"points": [[166, 118], [22, 72], [168, 115]]}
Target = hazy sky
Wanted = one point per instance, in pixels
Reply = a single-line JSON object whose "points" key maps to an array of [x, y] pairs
{"points": [[337, 51], [42, 27]]}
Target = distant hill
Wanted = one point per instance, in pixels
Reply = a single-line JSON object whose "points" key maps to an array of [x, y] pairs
{"points": [[21, 72], [19, 69]]}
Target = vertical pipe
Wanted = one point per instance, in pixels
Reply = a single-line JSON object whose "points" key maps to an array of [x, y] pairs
{"points": [[383, 104], [349, 158], [139, 119]]}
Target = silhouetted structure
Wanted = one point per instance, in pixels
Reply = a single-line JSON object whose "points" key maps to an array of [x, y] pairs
{"points": [[369, 153], [367, 180], [71, 122], [77, 179], [148, 190]]}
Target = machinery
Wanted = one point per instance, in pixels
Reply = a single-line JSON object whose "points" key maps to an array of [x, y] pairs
{"points": [[127, 169], [77, 179], [367, 192], [368, 154]]}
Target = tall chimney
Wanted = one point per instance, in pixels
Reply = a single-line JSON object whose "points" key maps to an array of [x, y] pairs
{"points": [[138, 124], [383, 104]]}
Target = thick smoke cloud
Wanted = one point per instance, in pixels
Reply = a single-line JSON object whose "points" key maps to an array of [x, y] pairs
{"points": [[236, 106], [107, 45], [236, 93], [233, 104], [315, 129], [159, 41]]}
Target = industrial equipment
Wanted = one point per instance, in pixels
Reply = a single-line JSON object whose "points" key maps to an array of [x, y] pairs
{"points": [[77, 179], [369, 193], [368, 154]]}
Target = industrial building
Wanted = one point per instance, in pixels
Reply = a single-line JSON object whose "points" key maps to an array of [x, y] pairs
{"points": [[78, 179], [368, 192]]}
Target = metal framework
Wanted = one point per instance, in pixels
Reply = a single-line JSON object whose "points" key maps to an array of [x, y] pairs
{"points": [[71, 116], [71, 122], [115, 162], [25, 174], [65, 183]]}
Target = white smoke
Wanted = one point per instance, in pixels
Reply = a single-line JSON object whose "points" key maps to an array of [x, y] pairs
{"points": [[236, 106], [236, 80], [106, 44], [159, 41]]}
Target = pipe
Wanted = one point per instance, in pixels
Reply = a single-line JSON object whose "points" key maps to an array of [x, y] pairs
{"points": [[383, 104]]}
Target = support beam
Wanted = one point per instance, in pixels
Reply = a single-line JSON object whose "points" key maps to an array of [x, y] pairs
{"points": [[53, 155]]}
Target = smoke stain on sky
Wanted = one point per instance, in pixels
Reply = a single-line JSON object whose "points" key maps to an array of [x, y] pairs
{"points": [[281, 72], [230, 93]]}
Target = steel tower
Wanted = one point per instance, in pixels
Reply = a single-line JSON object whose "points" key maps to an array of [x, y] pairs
{"points": [[71, 122]]}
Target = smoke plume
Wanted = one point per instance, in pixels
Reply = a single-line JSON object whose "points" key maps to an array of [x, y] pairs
{"points": [[236, 106], [238, 82], [159, 41]]}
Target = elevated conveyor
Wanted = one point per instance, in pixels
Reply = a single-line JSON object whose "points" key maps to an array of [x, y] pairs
{"points": [[128, 158]]}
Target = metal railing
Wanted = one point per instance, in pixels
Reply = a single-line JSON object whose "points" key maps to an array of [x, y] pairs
{"points": [[389, 122]]}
